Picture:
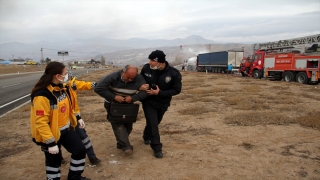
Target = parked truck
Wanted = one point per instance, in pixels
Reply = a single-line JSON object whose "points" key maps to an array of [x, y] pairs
{"points": [[218, 61], [271, 61]]}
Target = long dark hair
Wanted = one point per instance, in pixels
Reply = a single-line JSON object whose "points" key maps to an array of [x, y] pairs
{"points": [[52, 69]]}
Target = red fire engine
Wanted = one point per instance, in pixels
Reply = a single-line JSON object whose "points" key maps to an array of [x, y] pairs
{"points": [[271, 61]]}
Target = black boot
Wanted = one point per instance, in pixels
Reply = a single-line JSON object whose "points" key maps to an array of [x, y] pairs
{"points": [[94, 161]]}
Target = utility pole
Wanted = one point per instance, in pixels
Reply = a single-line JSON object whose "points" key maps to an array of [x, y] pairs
{"points": [[41, 58]]}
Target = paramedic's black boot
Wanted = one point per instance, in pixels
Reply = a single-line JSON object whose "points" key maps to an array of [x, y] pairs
{"points": [[84, 178], [158, 154]]}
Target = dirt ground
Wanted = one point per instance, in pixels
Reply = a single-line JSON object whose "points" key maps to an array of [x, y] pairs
{"points": [[219, 127]]}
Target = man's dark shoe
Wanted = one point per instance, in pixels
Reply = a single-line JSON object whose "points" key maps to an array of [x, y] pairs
{"points": [[158, 154], [147, 142], [94, 161], [128, 152], [84, 178]]}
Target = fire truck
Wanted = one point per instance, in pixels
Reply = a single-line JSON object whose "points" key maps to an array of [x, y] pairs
{"points": [[270, 60]]}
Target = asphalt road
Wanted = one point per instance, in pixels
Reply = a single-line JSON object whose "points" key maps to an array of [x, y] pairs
{"points": [[15, 89]]}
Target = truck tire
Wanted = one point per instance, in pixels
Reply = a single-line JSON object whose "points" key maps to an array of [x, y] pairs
{"points": [[302, 78], [289, 76], [257, 74]]}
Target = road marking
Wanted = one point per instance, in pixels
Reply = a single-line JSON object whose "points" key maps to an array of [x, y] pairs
{"points": [[14, 101], [10, 85], [14, 109]]}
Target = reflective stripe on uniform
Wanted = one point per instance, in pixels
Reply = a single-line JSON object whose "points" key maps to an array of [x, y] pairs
{"points": [[52, 176], [80, 168], [48, 168], [86, 140], [88, 145], [66, 126], [77, 161]]}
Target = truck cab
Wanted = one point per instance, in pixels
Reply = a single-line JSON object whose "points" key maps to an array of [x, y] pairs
{"points": [[253, 65]]}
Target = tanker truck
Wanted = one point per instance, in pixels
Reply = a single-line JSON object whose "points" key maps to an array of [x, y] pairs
{"points": [[218, 61], [270, 60], [190, 64]]}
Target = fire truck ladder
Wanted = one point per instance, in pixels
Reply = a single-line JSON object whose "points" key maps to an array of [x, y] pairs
{"points": [[289, 43]]}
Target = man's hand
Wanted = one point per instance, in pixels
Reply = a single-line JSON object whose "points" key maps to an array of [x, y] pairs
{"points": [[153, 91], [119, 99], [81, 123], [144, 87], [128, 99], [53, 150]]}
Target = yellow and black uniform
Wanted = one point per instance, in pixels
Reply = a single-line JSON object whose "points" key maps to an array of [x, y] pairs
{"points": [[78, 85], [52, 123], [82, 85]]}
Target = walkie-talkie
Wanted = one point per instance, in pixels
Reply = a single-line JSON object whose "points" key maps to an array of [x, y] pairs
{"points": [[153, 86]]}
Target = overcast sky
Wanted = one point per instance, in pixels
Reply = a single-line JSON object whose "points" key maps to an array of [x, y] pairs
{"points": [[29, 21]]}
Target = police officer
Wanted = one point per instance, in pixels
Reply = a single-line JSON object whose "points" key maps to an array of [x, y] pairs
{"points": [[164, 81]]}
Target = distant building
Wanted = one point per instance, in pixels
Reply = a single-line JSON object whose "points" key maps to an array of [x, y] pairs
{"points": [[82, 62], [2, 61], [18, 61]]}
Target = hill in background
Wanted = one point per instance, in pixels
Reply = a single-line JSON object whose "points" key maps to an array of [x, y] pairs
{"points": [[133, 51], [174, 54]]}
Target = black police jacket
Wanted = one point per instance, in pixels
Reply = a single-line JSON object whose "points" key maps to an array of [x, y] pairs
{"points": [[169, 82]]}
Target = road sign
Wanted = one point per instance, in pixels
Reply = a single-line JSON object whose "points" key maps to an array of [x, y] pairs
{"points": [[62, 53]]}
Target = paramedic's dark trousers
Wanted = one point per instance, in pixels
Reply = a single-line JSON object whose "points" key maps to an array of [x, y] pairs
{"points": [[151, 131], [70, 140], [86, 141]]}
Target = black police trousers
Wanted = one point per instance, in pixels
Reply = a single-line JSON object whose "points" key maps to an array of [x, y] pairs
{"points": [[151, 130]]}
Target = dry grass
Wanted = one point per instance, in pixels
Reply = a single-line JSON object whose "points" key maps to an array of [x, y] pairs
{"points": [[310, 120], [259, 118], [194, 110], [239, 127], [252, 102], [12, 68], [237, 101]]}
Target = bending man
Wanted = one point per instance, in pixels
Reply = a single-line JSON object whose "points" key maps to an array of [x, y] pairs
{"points": [[121, 87]]}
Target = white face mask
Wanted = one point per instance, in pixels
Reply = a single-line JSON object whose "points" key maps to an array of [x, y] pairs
{"points": [[66, 78], [154, 68]]}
